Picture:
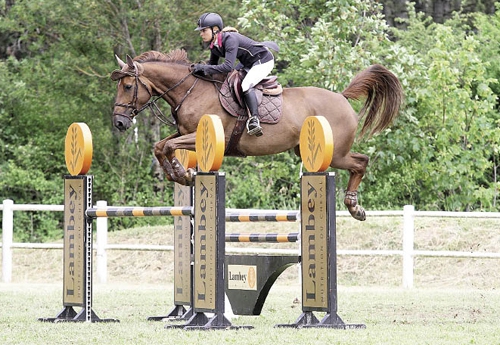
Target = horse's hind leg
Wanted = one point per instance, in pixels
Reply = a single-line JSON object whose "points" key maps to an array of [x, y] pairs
{"points": [[356, 164]]}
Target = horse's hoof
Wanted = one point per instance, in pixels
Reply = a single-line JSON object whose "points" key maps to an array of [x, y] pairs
{"points": [[358, 212], [189, 176], [184, 182], [186, 179]]}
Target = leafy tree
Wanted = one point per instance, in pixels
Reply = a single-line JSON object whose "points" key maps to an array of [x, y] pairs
{"points": [[61, 54], [322, 43], [449, 99], [488, 35], [442, 163], [438, 10], [56, 57]]}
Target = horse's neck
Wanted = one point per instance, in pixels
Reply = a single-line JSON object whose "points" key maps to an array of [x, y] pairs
{"points": [[163, 78], [179, 88]]}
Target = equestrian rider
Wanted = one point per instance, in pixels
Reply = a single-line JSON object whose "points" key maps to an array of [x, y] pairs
{"points": [[253, 56]]}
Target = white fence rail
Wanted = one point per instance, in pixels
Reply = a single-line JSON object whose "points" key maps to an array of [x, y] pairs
{"points": [[408, 253]]}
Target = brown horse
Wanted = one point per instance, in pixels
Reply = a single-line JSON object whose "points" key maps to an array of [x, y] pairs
{"points": [[154, 75]]}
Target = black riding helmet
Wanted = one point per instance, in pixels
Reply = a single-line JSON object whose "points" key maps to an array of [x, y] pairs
{"points": [[208, 20]]}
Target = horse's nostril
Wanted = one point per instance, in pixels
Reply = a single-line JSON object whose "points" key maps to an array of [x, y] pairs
{"points": [[121, 122], [120, 125]]}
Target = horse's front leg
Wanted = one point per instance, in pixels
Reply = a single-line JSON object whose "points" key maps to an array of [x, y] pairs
{"points": [[165, 153], [162, 158]]}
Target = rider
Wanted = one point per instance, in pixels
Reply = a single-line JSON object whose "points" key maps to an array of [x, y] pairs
{"points": [[253, 56]]}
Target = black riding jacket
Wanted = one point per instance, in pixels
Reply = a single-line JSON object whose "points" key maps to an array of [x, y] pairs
{"points": [[232, 46]]}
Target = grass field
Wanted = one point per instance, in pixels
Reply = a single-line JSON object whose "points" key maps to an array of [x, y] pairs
{"points": [[391, 316], [455, 300]]}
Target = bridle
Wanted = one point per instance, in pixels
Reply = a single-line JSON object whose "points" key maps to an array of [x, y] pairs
{"points": [[151, 104]]}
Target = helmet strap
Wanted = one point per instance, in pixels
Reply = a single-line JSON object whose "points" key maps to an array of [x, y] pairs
{"points": [[216, 35]]}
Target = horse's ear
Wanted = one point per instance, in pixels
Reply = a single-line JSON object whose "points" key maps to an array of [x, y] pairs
{"points": [[117, 75], [138, 68], [120, 61], [130, 62]]}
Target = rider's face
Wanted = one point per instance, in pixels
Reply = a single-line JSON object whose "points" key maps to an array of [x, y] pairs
{"points": [[206, 34]]}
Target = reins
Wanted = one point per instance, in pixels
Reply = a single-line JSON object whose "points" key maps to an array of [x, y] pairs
{"points": [[212, 80], [151, 104]]}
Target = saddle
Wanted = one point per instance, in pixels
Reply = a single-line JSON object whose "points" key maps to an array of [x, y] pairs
{"points": [[268, 86], [269, 97]]}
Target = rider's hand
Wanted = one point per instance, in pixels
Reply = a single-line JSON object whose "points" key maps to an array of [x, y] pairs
{"points": [[198, 69]]}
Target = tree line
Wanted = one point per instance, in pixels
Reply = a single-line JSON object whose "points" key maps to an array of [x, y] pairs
{"points": [[442, 153]]}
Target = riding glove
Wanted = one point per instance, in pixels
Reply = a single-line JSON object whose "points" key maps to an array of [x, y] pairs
{"points": [[198, 69]]}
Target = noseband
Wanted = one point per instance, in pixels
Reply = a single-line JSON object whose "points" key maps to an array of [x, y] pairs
{"points": [[132, 104], [152, 102]]}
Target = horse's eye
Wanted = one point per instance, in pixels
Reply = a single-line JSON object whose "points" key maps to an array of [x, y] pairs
{"points": [[128, 87]]}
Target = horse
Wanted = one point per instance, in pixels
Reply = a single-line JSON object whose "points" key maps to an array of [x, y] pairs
{"points": [[153, 75]]}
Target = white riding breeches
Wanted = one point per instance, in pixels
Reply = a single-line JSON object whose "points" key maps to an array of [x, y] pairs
{"points": [[256, 74]]}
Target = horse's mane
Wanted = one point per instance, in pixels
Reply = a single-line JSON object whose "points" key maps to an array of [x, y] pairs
{"points": [[177, 56]]}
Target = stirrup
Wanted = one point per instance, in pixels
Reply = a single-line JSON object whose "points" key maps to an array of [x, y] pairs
{"points": [[257, 130]]}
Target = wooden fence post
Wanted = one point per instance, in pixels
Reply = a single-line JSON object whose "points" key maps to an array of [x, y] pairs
{"points": [[7, 235], [408, 245], [102, 243]]}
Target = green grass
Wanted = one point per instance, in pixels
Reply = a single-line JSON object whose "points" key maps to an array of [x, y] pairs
{"points": [[455, 300], [391, 316]]}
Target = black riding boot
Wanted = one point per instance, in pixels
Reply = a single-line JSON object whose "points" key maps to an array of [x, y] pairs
{"points": [[253, 123]]}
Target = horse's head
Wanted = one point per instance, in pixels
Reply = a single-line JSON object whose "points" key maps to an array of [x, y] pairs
{"points": [[134, 92]]}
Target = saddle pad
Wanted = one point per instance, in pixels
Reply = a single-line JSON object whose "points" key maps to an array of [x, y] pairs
{"points": [[269, 108]]}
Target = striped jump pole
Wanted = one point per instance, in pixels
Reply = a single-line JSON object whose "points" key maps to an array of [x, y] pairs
{"points": [[139, 211], [236, 215], [276, 238]]}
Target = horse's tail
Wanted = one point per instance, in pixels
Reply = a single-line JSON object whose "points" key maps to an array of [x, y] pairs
{"points": [[383, 93]]}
